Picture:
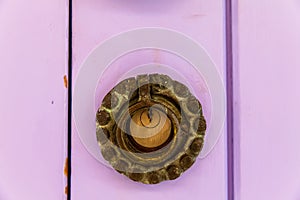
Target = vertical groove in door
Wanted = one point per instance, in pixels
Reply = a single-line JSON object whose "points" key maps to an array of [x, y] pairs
{"points": [[229, 89], [69, 98]]}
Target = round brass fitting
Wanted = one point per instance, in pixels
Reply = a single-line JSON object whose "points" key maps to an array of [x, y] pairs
{"points": [[150, 128]]}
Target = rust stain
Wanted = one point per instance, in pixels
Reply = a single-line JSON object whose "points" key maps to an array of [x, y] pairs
{"points": [[65, 81], [66, 174], [66, 190], [66, 167]]}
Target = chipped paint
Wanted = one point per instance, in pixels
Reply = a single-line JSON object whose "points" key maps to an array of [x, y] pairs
{"points": [[66, 190], [66, 168], [65, 81]]}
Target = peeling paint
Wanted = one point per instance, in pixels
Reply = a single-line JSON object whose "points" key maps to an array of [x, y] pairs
{"points": [[66, 174], [66, 168], [65, 81], [66, 190]]}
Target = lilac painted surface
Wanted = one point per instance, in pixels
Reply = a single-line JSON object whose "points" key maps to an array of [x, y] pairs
{"points": [[97, 20], [33, 63], [33, 99], [268, 68]]}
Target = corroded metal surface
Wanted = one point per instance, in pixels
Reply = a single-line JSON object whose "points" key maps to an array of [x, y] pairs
{"points": [[150, 128]]}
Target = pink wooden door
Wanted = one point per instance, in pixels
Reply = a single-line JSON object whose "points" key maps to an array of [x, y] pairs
{"points": [[96, 21], [264, 159], [267, 96], [33, 105]]}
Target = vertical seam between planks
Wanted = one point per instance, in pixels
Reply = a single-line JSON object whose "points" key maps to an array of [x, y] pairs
{"points": [[69, 97], [229, 91]]}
